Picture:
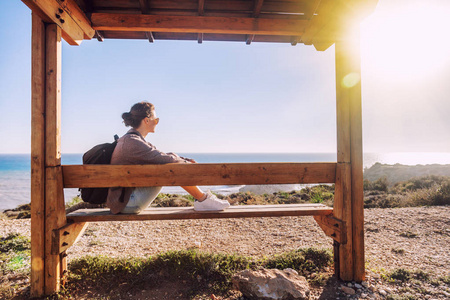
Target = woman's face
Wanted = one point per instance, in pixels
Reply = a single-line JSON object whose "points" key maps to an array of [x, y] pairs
{"points": [[151, 122]]}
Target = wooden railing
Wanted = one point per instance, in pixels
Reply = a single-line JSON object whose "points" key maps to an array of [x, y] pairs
{"points": [[85, 176]]}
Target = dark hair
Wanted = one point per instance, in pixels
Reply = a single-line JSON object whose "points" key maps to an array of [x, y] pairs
{"points": [[137, 113]]}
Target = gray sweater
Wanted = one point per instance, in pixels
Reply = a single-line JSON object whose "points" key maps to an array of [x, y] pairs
{"points": [[133, 149]]}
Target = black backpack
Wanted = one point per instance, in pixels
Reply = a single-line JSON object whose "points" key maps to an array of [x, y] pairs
{"points": [[98, 155]]}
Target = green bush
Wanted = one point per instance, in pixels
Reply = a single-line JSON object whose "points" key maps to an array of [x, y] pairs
{"points": [[380, 184]]}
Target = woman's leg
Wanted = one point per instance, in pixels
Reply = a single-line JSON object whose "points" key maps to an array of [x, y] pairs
{"points": [[195, 191], [140, 199]]}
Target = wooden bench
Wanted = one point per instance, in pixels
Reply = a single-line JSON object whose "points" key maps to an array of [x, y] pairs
{"points": [[77, 221], [177, 213]]}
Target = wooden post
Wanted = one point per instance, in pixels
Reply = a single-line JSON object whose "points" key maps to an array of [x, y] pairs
{"points": [[349, 199], [54, 193], [37, 155]]}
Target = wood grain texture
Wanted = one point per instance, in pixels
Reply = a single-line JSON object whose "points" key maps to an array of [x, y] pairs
{"points": [[53, 96], [356, 150], [333, 227], [66, 236], [37, 155], [342, 211], [197, 174], [52, 12], [77, 14], [196, 24], [55, 217], [177, 213]]}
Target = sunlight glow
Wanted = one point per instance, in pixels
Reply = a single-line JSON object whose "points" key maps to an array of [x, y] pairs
{"points": [[350, 80], [408, 43]]}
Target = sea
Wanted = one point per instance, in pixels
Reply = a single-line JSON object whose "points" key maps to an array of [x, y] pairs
{"points": [[15, 170]]}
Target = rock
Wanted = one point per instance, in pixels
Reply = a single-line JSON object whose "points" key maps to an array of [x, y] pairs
{"points": [[358, 286], [365, 284], [382, 292], [348, 290], [363, 295], [271, 284]]}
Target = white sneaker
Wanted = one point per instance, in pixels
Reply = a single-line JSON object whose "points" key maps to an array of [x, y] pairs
{"points": [[211, 203]]}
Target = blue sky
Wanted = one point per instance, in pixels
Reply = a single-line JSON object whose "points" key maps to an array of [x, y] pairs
{"points": [[231, 97]]}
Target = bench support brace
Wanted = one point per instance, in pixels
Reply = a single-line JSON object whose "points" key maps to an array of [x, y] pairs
{"points": [[66, 236], [333, 228]]}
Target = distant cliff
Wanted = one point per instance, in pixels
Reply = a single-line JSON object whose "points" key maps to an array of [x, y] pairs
{"points": [[396, 173]]}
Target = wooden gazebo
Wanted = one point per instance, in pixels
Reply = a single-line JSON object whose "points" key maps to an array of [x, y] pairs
{"points": [[321, 23]]}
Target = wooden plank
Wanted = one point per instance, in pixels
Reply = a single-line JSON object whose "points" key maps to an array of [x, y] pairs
{"points": [[55, 218], [67, 236], [333, 227], [178, 213], [53, 96], [37, 155], [197, 174], [52, 12], [214, 5], [128, 22]]}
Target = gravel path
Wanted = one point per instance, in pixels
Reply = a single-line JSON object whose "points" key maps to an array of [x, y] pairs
{"points": [[411, 238]]}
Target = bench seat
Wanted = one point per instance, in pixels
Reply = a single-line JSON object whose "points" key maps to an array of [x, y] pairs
{"points": [[176, 213]]}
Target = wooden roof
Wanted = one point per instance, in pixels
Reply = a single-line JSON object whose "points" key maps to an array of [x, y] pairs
{"points": [[312, 22]]}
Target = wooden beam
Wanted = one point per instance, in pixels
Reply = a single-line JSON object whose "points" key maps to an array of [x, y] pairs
{"points": [[66, 17], [37, 156], [342, 211], [249, 38], [196, 174], [324, 15], [145, 8], [99, 36], [150, 37], [53, 97], [67, 236], [75, 12], [179, 213], [195, 24], [55, 218], [352, 52], [256, 11], [201, 7], [257, 8], [333, 227], [349, 196]]}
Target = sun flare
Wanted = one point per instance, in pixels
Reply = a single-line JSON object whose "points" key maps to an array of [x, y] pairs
{"points": [[407, 43]]}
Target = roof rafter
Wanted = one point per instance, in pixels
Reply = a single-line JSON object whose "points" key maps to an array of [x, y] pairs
{"points": [[145, 9], [195, 24], [256, 11]]}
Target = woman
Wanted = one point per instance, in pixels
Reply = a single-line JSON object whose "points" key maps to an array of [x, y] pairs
{"points": [[133, 149]]}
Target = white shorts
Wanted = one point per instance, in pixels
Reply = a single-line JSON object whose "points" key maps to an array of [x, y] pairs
{"points": [[140, 199]]}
